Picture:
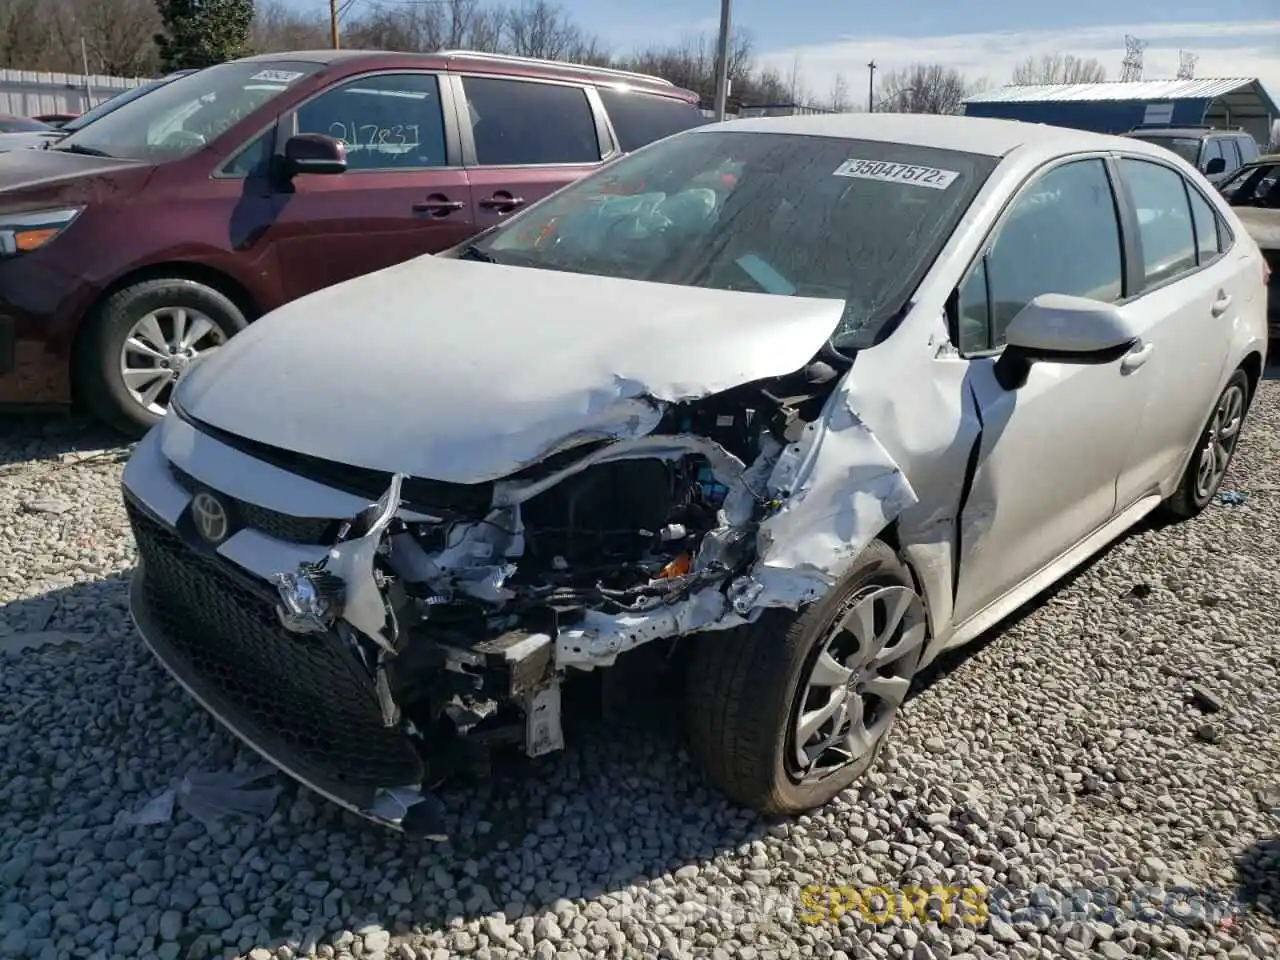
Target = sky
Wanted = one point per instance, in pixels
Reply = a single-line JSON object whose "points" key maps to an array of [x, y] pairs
{"points": [[826, 38]]}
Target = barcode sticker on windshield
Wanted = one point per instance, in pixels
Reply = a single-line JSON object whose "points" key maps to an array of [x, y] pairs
{"points": [[276, 76], [897, 173]]}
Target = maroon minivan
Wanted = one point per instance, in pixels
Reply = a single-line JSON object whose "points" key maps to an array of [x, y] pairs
{"points": [[164, 227]]}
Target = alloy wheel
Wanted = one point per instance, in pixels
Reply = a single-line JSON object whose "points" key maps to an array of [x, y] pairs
{"points": [[1220, 441], [159, 349], [860, 677]]}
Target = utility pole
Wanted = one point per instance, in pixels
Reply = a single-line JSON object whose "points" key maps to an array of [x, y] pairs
{"points": [[84, 60], [722, 58], [333, 22], [871, 87]]}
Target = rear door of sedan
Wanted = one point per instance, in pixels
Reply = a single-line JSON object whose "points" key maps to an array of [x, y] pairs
{"points": [[1190, 282]]}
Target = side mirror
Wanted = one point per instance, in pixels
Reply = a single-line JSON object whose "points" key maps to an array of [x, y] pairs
{"points": [[1214, 166], [314, 153], [1056, 328]]}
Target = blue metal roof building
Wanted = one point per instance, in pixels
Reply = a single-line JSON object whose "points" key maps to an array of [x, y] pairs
{"points": [[1119, 106]]}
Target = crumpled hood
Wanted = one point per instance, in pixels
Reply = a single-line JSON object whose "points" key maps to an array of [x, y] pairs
{"points": [[465, 372], [1263, 225]]}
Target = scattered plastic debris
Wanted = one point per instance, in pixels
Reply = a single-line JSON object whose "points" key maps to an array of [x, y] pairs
{"points": [[208, 796], [46, 505], [1232, 498]]}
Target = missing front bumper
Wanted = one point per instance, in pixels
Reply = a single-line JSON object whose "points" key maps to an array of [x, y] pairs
{"points": [[302, 703]]}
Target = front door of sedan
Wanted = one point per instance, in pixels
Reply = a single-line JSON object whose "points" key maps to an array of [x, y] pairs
{"points": [[1052, 449], [404, 194]]}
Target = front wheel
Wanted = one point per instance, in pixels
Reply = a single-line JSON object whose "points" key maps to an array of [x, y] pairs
{"points": [[1213, 452], [141, 340], [786, 712]]}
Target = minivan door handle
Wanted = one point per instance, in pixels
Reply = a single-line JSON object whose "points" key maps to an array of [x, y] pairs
{"points": [[1221, 304], [438, 205], [502, 201]]}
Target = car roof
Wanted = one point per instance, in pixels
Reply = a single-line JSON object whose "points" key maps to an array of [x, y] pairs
{"points": [[489, 62], [1181, 132], [978, 135]]}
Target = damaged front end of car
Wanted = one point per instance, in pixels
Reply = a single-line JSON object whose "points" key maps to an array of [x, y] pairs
{"points": [[466, 622]]}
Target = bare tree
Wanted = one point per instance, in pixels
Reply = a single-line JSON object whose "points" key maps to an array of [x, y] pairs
{"points": [[537, 28], [278, 28], [1059, 68], [118, 35], [28, 36], [922, 88], [839, 101]]}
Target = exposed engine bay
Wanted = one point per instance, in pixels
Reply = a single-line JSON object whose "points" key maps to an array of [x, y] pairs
{"points": [[466, 623]]}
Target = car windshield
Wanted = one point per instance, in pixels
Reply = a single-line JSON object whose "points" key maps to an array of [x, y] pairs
{"points": [[112, 104], [178, 118], [1188, 148], [22, 125], [851, 220], [1254, 186]]}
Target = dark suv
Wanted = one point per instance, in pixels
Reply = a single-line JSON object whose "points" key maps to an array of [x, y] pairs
{"points": [[164, 227], [1212, 151]]}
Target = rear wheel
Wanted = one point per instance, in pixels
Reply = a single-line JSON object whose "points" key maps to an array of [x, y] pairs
{"points": [[785, 713], [141, 340], [1213, 452]]}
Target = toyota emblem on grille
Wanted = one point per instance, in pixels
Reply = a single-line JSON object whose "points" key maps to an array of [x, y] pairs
{"points": [[210, 517]]}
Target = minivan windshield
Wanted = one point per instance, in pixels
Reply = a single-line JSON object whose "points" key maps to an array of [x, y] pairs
{"points": [[112, 104], [180, 117], [790, 215]]}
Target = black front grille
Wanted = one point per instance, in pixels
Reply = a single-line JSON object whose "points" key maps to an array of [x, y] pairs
{"points": [[279, 526], [305, 700]]}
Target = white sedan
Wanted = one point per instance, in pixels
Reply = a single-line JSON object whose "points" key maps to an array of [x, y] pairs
{"points": [[806, 400]]}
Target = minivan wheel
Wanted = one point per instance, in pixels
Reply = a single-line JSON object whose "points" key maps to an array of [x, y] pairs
{"points": [[786, 712], [141, 340], [1213, 452]]}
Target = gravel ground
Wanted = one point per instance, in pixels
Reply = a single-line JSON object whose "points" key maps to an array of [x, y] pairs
{"points": [[1116, 742]]}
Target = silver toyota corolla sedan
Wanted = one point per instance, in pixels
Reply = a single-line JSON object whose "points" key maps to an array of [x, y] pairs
{"points": [[809, 400]]}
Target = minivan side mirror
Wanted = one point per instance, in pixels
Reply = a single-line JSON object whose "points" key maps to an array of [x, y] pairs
{"points": [[1056, 328], [1216, 165], [314, 153]]}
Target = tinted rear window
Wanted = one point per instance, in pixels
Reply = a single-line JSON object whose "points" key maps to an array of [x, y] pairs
{"points": [[641, 118], [1188, 148]]}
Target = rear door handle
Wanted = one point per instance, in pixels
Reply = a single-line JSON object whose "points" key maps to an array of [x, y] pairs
{"points": [[1221, 304], [1136, 357], [438, 206], [502, 202]]}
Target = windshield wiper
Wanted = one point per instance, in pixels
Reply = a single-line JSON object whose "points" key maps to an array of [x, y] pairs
{"points": [[473, 252], [85, 151]]}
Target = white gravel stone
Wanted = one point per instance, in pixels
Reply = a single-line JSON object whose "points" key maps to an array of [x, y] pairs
{"points": [[1065, 758]]}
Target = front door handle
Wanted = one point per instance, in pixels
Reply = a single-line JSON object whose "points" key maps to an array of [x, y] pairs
{"points": [[1221, 304], [1136, 357], [502, 202], [438, 205]]}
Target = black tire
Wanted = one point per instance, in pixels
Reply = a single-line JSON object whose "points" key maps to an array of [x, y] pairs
{"points": [[97, 372], [743, 695], [1191, 497]]}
